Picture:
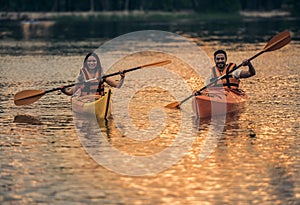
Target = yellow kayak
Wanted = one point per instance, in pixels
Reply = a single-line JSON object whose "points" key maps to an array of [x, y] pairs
{"points": [[93, 105]]}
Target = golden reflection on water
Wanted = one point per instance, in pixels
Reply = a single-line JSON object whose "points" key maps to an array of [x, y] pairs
{"points": [[256, 159]]}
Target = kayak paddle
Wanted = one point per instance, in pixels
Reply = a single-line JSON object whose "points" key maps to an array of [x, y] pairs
{"points": [[277, 42], [27, 97]]}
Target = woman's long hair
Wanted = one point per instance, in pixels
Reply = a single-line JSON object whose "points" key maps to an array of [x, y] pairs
{"points": [[98, 67]]}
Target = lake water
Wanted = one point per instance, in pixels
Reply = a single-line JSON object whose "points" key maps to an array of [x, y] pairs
{"points": [[48, 154]]}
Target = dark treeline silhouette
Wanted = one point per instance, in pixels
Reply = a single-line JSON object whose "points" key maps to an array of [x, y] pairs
{"points": [[217, 6]]}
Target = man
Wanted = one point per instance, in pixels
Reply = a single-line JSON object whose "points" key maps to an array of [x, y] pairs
{"points": [[232, 80]]}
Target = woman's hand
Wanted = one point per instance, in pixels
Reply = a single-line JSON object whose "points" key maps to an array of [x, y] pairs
{"points": [[65, 91], [122, 74], [62, 88]]}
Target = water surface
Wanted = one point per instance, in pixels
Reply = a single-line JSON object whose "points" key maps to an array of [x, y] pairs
{"points": [[255, 161]]}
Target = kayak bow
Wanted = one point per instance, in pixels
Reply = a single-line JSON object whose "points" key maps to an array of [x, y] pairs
{"points": [[93, 105], [219, 101]]}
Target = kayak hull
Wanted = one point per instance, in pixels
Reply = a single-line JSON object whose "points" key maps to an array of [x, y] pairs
{"points": [[219, 101], [97, 105]]}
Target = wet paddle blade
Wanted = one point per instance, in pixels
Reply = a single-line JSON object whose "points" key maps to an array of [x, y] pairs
{"points": [[173, 105], [27, 97], [278, 41]]}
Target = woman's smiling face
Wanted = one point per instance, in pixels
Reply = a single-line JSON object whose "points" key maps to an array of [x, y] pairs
{"points": [[92, 62]]}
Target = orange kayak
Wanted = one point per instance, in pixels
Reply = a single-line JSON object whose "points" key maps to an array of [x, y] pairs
{"points": [[219, 101]]}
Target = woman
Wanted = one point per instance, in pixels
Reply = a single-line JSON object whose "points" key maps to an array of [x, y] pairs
{"points": [[90, 76]]}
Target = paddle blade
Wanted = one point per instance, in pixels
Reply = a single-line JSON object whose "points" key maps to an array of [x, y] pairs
{"points": [[27, 97], [160, 63], [173, 105], [278, 41]]}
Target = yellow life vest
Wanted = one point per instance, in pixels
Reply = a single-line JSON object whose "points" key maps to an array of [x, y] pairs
{"points": [[229, 81], [92, 87]]}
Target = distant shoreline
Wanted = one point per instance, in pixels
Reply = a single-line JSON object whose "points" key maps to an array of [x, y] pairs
{"points": [[136, 15]]}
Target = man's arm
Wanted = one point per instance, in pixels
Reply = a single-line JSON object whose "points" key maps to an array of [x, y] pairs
{"points": [[247, 73]]}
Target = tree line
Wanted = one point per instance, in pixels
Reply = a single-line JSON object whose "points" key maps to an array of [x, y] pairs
{"points": [[218, 6]]}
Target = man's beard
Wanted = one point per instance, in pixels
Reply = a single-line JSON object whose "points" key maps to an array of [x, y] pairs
{"points": [[220, 65]]}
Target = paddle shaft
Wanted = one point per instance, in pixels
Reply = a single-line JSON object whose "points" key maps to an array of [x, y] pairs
{"points": [[105, 76], [136, 68], [67, 86], [125, 71], [56, 89]]}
